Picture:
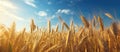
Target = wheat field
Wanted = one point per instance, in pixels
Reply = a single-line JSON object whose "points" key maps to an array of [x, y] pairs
{"points": [[92, 37]]}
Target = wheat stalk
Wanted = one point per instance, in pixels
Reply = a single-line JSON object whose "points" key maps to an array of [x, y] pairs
{"points": [[86, 39], [63, 23], [114, 28], [101, 23], [94, 21], [62, 26], [53, 47], [109, 15], [85, 22], [56, 30], [66, 26], [61, 20], [49, 26], [71, 25], [67, 38], [32, 25], [12, 29]]}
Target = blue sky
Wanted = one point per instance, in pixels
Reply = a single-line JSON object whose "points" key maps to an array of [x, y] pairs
{"points": [[21, 11]]}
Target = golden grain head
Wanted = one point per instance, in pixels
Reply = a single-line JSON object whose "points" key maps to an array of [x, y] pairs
{"points": [[101, 23], [114, 28], [95, 22], [66, 26], [32, 25], [85, 22], [84, 39], [95, 17], [109, 15], [49, 26]]}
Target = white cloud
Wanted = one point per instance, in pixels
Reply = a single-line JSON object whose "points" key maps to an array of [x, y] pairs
{"points": [[6, 11], [42, 13], [51, 17], [6, 14], [12, 15], [65, 11], [49, 3], [7, 4], [31, 3], [47, 10]]}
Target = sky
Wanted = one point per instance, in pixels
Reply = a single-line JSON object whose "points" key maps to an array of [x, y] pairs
{"points": [[22, 11]]}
